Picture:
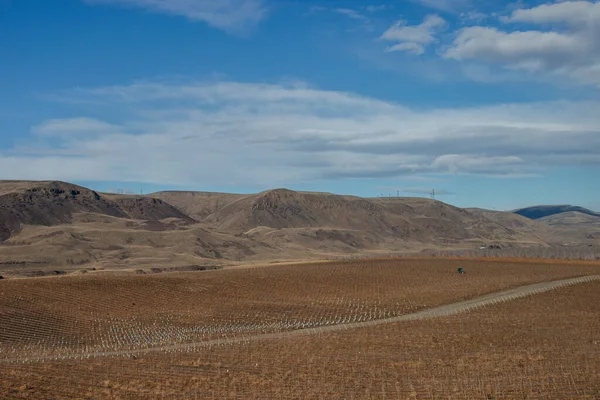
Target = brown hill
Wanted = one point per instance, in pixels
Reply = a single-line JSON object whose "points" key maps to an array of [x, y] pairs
{"points": [[445, 221], [583, 228], [287, 216], [510, 220], [55, 225], [572, 219], [197, 205], [54, 203], [282, 208], [558, 229]]}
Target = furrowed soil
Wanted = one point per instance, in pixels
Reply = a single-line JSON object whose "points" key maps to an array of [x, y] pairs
{"points": [[53, 331]]}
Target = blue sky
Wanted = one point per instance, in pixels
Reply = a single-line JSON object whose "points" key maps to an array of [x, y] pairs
{"points": [[493, 104]]}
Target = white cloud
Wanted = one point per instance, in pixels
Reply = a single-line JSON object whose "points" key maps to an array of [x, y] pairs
{"points": [[350, 13], [569, 48], [473, 17], [229, 15], [456, 163], [231, 133], [573, 13], [445, 5], [422, 33], [361, 21], [414, 38], [528, 50], [73, 126], [414, 48]]}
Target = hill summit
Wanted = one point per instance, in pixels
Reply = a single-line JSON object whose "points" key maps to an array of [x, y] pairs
{"points": [[51, 203]]}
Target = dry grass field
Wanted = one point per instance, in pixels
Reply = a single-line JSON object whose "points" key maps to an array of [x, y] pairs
{"points": [[52, 331]]}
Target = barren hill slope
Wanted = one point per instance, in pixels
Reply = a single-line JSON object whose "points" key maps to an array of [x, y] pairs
{"points": [[399, 219], [572, 219], [511, 220], [56, 225], [54, 203], [442, 220], [282, 208], [197, 205], [584, 226], [564, 227]]}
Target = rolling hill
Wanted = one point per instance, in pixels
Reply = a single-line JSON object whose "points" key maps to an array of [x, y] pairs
{"points": [[571, 218], [400, 219], [537, 212], [197, 205], [587, 226], [59, 226], [54, 203]]}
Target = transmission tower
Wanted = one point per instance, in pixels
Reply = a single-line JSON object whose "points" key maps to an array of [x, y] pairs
{"points": [[432, 195]]}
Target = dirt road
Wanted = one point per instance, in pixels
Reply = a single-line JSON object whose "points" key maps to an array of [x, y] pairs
{"points": [[441, 311]]}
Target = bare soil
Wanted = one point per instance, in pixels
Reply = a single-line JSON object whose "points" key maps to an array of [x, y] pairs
{"points": [[545, 346]]}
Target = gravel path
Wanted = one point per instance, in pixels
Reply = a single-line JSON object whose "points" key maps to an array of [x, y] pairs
{"points": [[437, 312]]}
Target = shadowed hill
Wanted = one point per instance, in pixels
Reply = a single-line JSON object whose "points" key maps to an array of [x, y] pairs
{"points": [[54, 203], [537, 212]]}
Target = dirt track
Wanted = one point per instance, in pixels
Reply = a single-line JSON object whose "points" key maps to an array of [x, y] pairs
{"points": [[441, 311]]}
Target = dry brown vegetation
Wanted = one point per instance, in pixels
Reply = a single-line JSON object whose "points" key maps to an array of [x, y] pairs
{"points": [[546, 346], [53, 227]]}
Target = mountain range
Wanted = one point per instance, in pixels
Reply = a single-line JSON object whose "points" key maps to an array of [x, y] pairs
{"points": [[58, 226]]}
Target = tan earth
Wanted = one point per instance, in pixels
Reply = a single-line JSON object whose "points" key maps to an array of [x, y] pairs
{"points": [[51, 228], [364, 329]]}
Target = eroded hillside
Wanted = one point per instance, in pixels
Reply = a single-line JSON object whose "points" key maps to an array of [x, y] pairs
{"points": [[60, 226]]}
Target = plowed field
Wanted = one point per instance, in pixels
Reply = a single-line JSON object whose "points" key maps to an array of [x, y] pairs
{"points": [[55, 333]]}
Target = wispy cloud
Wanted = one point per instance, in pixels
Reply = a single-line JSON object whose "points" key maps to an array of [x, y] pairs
{"points": [[360, 20], [471, 17], [350, 13], [234, 16], [272, 134], [445, 5], [414, 38], [73, 126]]}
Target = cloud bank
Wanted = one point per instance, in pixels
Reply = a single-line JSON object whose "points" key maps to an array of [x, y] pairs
{"points": [[566, 44], [556, 41], [233, 133]]}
